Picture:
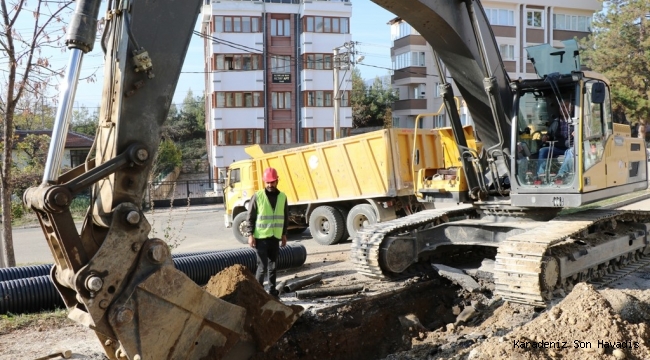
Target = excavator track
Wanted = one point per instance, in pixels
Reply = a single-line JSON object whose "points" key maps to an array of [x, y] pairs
{"points": [[527, 269], [366, 246], [537, 264]]}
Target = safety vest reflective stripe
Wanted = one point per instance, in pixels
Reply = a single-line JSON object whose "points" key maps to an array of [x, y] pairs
{"points": [[269, 222], [273, 217]]}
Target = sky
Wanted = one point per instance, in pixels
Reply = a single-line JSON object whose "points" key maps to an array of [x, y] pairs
{"points": [[368, 27]]}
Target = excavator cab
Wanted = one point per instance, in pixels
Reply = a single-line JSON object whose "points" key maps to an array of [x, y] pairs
{"points": [[568, 150]]}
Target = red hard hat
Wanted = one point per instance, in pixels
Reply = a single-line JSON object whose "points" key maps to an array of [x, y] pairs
{"points": [[270, 175]]}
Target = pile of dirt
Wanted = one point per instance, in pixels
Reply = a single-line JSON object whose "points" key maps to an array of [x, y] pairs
{"points": [[582, 326], [585, 325], [266, 318]]}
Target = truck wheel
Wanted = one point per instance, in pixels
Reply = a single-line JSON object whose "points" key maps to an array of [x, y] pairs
{"points": [[359, 217], [326, 225], [239, 227], [344, 215]]}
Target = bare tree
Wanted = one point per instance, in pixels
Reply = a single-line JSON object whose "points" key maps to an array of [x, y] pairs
{"points": [[28, 32]]}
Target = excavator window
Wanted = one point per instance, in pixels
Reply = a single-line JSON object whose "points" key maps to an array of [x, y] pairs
{"points": [[545, 133]]}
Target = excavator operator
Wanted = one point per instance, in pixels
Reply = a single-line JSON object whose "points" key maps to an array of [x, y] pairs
{"points": [[557, 139]]}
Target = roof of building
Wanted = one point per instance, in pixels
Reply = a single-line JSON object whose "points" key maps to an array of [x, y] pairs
{"points": [[73, 140]]}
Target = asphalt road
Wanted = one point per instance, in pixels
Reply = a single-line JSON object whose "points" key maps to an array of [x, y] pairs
{"points": [[197, 228]]}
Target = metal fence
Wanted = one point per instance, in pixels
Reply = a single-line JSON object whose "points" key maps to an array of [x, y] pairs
{"points": [[167, 193]]}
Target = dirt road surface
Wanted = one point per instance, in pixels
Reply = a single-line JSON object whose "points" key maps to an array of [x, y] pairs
{"points": [[425, 317]]}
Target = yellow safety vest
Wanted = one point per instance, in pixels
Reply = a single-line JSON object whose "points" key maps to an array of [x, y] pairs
{"points": [[269, 223]]}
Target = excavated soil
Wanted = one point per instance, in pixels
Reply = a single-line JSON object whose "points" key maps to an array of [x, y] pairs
{"points": [[426, 317]]}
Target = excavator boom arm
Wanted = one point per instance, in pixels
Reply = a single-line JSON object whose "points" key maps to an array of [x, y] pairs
{"points": [[113, 278], [460, 34]]}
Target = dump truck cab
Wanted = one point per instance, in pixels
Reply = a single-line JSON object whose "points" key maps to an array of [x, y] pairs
{"points": [[238, 189]]}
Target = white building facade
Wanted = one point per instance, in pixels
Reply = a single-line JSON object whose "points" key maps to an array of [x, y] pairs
{"points": [[269, 74], [515, 24]]}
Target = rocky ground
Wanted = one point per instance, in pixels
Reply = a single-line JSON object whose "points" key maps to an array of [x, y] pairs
{"points": [[426, 317]]}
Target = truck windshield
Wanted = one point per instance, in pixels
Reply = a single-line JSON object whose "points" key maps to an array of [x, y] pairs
{"points": [[233, 177]]}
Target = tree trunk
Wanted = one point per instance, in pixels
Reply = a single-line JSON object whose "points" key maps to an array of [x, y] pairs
{"points": [[7, 236]]}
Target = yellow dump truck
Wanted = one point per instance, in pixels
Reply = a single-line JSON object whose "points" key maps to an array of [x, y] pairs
{"points": [[336, 187]]}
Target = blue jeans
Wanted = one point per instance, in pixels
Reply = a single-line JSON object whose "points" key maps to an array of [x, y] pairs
{"points": [[544, 155], [567, 165]]}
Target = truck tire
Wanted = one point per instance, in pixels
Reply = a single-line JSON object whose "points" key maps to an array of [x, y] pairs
{"points": [[326, 225], [360, 216], [344, 215], [239, 225]]}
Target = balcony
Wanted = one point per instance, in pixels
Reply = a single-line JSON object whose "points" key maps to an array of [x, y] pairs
{"points": [[410, 104]]}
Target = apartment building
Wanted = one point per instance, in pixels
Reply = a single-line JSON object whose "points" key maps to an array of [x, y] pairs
{"points": [[515, 24], [269, 74]]}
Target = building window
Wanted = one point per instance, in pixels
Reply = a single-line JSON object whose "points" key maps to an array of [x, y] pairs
{"points": [[395, 122], [281, 64], [77, 157], [415, 58], [419, 92], [236, 62], [240, 24], [281, 100], [507, 51], [535, 18], [571, 22], [239, 99], [345, 98], [500, 17], [401, 29], [438, 121], [280, 136], [324, 98], [317, 61], [313, 135], [226, 137], [437, 90], [280, 27], [321, 24]]}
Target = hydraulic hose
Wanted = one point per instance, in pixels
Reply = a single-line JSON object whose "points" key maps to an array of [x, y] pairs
{"points": [[33, 294]]}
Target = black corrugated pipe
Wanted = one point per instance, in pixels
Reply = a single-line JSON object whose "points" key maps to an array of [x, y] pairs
{"points": [[38, 293], [23, 272]]}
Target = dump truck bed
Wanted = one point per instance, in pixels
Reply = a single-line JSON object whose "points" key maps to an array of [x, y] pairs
{"points": [[370, 165]]}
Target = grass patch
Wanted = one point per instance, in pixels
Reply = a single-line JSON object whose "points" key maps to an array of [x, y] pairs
{"points": [[44, 320]]}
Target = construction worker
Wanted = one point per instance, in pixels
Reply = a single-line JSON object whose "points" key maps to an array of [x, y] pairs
{"points": [[268, 216]]}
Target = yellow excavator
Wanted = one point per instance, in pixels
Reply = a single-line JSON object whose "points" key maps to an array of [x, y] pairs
{"points": [[112, 277], [547, 144]]}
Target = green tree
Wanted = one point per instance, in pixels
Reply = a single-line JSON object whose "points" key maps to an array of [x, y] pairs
{"points": [[371, 106], [84, 122], [31, 153], [186, 127], [617, 48], [33, 112], [167, 158]]}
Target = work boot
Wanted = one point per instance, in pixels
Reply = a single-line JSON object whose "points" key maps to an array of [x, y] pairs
{"points": [[274, 293]]}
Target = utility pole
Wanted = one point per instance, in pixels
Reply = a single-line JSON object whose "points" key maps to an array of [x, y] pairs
{"points": [[341, 61]]}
